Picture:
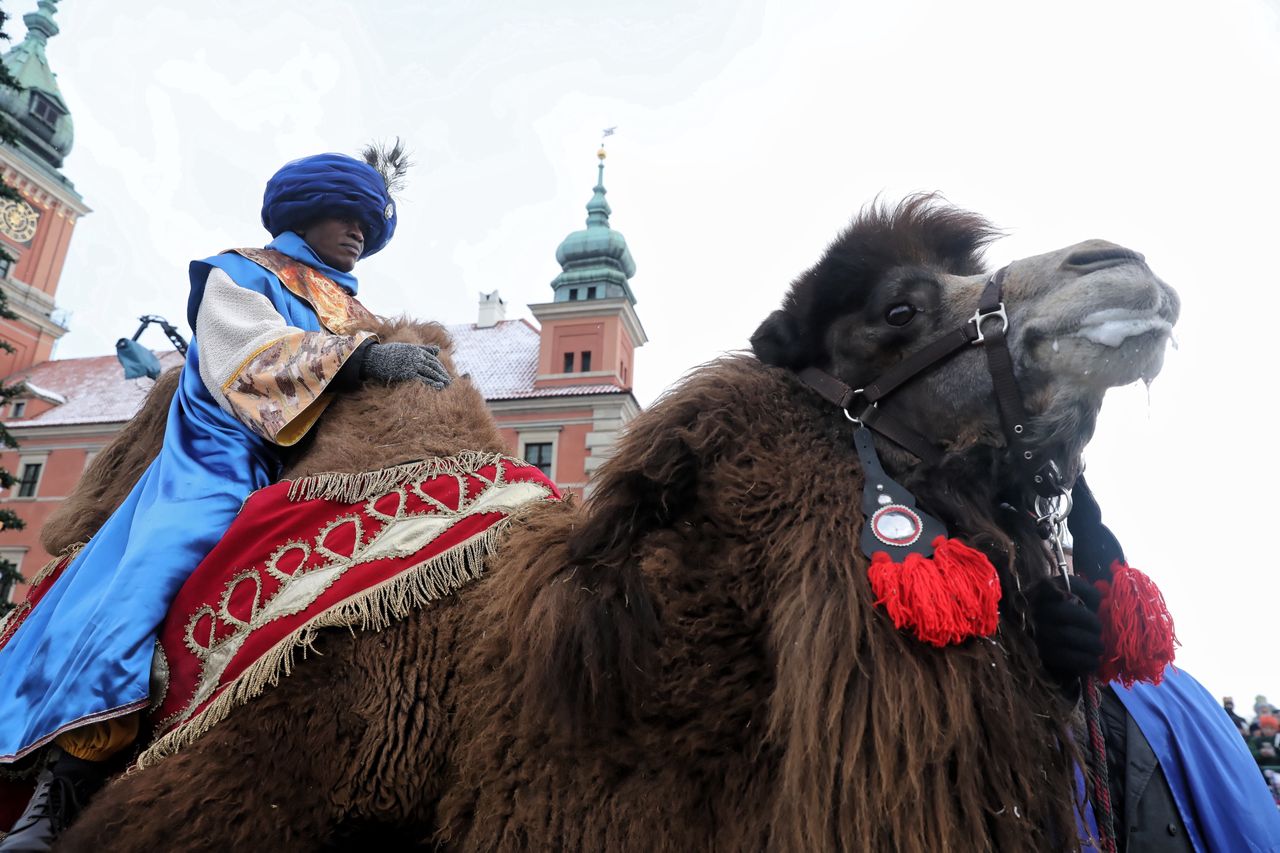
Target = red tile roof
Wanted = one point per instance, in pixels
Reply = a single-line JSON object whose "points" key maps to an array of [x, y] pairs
{"points": [[502, 360]]}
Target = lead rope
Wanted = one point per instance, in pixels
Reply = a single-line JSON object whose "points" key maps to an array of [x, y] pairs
{"points": [[1051, 522], [1099, 772]]}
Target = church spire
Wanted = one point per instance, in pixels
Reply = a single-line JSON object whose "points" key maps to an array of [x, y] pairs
{"points": [[41, 115], [595, 262], [40, 24], [598, 209]]}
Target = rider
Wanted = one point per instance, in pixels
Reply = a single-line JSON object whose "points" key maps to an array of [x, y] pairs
{"points": [[277, 332]]}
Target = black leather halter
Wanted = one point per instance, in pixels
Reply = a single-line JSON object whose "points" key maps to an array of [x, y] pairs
{"points": [[1039, 471]]}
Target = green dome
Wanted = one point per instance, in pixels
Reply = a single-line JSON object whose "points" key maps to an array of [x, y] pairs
{"points": [[596, 262], [42, 117]]}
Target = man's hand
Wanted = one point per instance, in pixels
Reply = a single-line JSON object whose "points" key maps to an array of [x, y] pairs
{"points": [[1067, 630], [403, 362]]}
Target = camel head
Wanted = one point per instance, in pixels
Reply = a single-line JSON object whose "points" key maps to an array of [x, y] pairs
{"points": [[1082, 319]]}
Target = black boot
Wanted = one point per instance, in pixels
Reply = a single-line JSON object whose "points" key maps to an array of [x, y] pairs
{"points": [[63, 789]]}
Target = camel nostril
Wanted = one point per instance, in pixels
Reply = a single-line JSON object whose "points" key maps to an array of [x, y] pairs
{"points": [[1109, 256]]}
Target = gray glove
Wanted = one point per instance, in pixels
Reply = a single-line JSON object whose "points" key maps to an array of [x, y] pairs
{"points": [[402, 362]]}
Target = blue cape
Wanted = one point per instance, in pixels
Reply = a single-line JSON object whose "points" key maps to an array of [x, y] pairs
{"points": [[1215, 782], [330, 185], [85, 652]]}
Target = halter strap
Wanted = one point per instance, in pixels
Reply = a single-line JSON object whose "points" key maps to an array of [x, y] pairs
{"points": [[1042, 473], [920, 361], [834, 391]]}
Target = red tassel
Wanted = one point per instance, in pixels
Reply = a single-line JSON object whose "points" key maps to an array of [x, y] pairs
{"points": [[1137, 630], [945, 599]]}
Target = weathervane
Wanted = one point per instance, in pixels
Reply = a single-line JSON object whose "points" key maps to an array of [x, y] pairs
{"points": [[605, 134]]}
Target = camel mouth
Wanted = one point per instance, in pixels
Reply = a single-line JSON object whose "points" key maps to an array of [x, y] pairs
{"points": [[1109, 347], [1112, 327]]}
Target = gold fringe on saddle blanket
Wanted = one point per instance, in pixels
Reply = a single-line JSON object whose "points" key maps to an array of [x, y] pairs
{"points": [[334, 550]]}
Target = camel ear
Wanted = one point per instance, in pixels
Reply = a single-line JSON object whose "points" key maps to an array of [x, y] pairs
{"points": [[779, 341]]}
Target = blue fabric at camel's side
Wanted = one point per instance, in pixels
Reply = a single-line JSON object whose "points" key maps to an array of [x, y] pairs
{"points": [[1215, 782], [84, 654]]}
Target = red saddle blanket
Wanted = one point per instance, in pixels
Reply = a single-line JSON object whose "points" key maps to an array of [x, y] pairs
{"points": [[335, 550]]}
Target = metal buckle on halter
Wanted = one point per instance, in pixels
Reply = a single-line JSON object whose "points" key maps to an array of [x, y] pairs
{"points": [[1054, 511], [1047, 479], [978, 317], [1051, 519], [855, 421]]}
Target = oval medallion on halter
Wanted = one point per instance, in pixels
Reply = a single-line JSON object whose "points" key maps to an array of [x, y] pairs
{"points": [[897, 525], [894, 525]]}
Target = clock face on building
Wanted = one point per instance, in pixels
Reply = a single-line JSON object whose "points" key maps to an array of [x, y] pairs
{"points": [[18, 220]]}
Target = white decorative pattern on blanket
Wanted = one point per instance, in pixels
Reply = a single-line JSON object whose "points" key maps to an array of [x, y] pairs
{"points": [[384, 543]]}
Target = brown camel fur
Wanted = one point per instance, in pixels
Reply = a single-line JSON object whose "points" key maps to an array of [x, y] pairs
{"points": [[693, 659]]}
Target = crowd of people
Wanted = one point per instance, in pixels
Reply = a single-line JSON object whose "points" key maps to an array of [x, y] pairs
{"points": [[1262, 734]]}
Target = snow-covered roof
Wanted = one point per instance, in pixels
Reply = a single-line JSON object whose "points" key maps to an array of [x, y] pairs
{"points": [[502, 360], [94, 390], [43, 393]]}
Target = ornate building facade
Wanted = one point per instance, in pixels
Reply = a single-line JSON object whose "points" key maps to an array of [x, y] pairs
{"points": [[36, 228], [560, 390]]}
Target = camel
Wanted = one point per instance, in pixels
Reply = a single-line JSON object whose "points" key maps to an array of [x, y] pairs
{"points": [[693, 658]]}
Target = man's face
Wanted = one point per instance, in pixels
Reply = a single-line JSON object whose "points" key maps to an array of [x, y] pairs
{"points": [[1268, 729], [338, 242]]}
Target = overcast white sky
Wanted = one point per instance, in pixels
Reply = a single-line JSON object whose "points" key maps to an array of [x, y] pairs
{"points": [[749, 131]]}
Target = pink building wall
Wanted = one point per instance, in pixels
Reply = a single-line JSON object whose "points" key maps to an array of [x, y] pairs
{"points": [[61, 470], [605, 338], [571, 439]]}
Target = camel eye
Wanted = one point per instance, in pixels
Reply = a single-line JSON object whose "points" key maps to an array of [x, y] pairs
{"points": [[900, 315]]}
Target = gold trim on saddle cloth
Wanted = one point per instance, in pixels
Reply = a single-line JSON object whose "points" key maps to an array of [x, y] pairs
{"points": [[385, 526], [339, 311]]}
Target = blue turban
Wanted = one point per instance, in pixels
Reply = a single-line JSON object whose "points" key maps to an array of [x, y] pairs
{"points": [[330, 185]]}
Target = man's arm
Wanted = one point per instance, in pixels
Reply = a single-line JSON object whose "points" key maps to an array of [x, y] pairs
{"points": [[272, 377]]}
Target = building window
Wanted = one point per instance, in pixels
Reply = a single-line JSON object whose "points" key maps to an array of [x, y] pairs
{"points": [[586, 362], [18, 409], [568, 363], [573, 294], [29, 480], [14, 556], [591, 293], [6, 264], [45, 109], [624, 375], [539, 456]]}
